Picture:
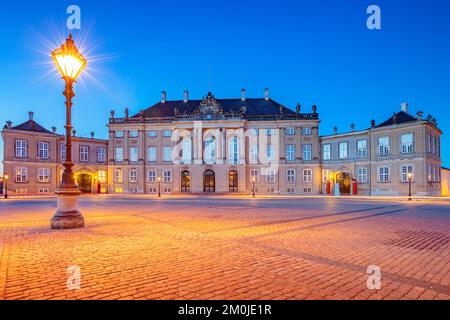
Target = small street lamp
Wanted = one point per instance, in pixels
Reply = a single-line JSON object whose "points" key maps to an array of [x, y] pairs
{"points": [[70, 63], [159, 187], [5, 181], [410, 177], [253, 186]]}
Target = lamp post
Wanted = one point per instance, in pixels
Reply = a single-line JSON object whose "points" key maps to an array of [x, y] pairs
{"points": [[410, 177], [253, 186], [5, 180], [159, 187], [70, 63]]}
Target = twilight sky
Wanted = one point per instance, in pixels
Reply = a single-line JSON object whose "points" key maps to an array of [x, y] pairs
{"points": [[312, 52]]}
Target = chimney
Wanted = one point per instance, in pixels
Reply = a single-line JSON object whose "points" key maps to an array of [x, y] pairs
{"points": [[420, 115], [335, 130], [30, 115], [112, 114], [352, 126], [127, 113], [314, 109], [297, 108], [242, 94], [266, 94], [372, 123], [186, 96], [404, 107], [54, 129], [8, 124], [163, 96]]}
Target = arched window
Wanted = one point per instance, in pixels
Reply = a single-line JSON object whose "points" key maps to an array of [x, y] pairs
{"points": [[210, 150], [233, 150], [186, 150]]}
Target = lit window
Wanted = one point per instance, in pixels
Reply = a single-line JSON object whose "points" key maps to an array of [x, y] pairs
{"points": [[307, 175], [290, 175], [132, 174], [101, 176], [361, 149], [43, 150], [327, 152], [307, 152], [254, 175], [290, 152], [118, 175], [84, 153], [118, 190], [405, 171], [118, 155], [407, 143], [383, 146], [343, 150], [21, 174], [43, 175], [134, 154], [21, 149], [383, 174]]}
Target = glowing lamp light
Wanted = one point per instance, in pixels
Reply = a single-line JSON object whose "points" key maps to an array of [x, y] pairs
{"points": [[410, 176], [69, 60]]}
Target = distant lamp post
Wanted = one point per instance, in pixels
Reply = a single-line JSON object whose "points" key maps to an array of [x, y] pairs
{"points": [[410, 177], [5, 181], [159, 187], [70, 63], [253, 186]]}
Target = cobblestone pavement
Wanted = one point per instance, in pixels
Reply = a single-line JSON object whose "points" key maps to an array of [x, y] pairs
{"points": [[221, 248]]}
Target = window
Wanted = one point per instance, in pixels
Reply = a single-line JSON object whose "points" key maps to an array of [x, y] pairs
{"points": [[134, 153], [21, 191], [84, 153], [210, 150], [327, 152], [63, 152], [290, 190], [361, 148], [270, 177], [407, 143], [307, 175], [254, 174], [290, 152], [132, 174], [101, 155], [151, 154], [101, 176], [383, 146], [167, 154], [118, 175], [271, 152], [270, 190], [152, 134], [133, 134], [151, 176], [434, 174], [383, 174], [429, 173], [306, 131], [270, 132], [254, 153], [44, 190], [429, 143], [307, 152], [233, 151], [118, 154], [186, 151], [167, 133], [118, 190], [290, 175], [307, 189], [43, 175], [343, 150], [21, 175], [254, 132], [21, 149], [43, 150], [362, 175], [289, 131], [167, 174], [118, 134], [434, 145], [405, 170]]}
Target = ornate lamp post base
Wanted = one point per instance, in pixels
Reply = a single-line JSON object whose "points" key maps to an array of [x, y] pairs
{"points": [[67, 215]]}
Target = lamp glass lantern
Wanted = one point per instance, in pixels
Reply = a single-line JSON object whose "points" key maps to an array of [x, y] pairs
{"points": [[68, 59]]}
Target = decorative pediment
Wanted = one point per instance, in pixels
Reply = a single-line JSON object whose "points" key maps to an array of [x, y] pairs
{"points": [[209, 105]]}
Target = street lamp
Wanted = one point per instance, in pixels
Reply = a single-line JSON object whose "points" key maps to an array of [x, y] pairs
{"points": [[70, 63], [410, 177], [159, 187], [5, 180], [253, 186]]}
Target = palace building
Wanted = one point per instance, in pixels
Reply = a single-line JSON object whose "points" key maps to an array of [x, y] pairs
{"points": [[231, 146]]}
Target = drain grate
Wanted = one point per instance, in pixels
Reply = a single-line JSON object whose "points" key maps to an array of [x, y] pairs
{"points": [[420, 240]]}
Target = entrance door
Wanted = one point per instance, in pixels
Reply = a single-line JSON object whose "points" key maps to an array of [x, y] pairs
{"points": [[344, 181], [85, 183], [233, 181], [209, 181], [185, 181]]}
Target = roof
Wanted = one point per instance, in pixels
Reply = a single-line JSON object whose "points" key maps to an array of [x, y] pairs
{"points": [[31, 125], [398, 118], [253, 107]]}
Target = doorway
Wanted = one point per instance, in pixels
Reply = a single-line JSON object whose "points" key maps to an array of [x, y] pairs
{"points": [[84, 183], [344, 179], [209, 181], [233, 181], [185, 181]]}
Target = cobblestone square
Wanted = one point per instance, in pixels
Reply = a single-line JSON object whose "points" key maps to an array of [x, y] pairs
{"points": [[227, 248]]}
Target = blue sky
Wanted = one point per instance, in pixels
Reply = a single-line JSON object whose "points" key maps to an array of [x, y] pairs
{"points": [[312, 52]]}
